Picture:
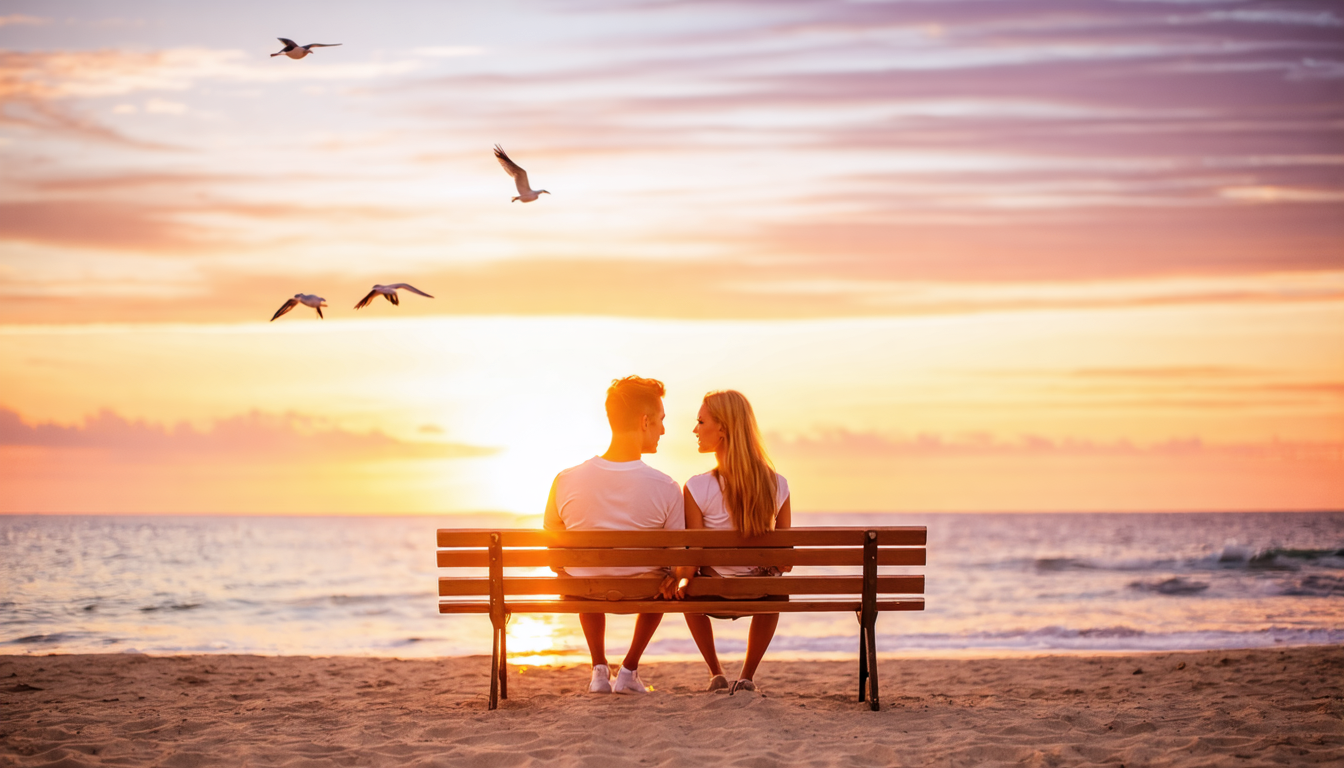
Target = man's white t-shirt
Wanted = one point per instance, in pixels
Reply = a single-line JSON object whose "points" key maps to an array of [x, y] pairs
{"points": [[601, 495], [708, 495]]}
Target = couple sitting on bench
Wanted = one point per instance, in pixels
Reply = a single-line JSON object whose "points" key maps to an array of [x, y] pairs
{"points": [[617, 491]]}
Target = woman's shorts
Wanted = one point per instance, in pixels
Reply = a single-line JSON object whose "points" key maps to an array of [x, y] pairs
{"points": [[762, 571]]}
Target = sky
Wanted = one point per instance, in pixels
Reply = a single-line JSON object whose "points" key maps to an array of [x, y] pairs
{"points": [[968, 255]]}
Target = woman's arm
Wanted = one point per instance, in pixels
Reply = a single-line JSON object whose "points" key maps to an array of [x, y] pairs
{"points": [[694, 517], [785, 520]]}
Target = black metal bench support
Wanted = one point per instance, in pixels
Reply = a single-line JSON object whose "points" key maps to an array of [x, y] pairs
{"points": [[868, 624], [499, 618]]}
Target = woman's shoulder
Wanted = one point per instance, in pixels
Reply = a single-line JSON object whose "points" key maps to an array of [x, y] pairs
{"points": [[702, 480], [702, 486]]}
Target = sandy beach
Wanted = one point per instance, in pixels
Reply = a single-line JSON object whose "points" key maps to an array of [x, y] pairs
{"points": [[1260, 707]]}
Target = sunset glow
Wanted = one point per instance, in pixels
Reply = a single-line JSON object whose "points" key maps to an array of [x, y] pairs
{"points": [[961, 256]]}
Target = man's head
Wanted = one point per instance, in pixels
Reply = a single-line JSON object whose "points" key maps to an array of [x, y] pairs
{"points": [[635, 404]]}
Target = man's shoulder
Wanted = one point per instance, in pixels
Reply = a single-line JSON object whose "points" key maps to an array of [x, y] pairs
{"points": [[661, 477], [576, 469]]}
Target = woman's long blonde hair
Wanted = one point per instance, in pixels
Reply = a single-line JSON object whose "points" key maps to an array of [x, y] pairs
{"points": [[745, 473]]}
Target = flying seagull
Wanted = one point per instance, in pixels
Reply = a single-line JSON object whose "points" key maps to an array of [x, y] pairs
{"points": [[525, 192], [306, 299], [295, 51], [390, 293]]}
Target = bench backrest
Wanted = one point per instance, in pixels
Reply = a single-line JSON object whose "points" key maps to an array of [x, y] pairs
{"points": [[864, 549]]}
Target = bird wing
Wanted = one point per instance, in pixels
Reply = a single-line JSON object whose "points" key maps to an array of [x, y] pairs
{"points": [[514, 170], [288, 43], [364, 302], [292, 303], [411, 288], [319, 313], [321, 45]]}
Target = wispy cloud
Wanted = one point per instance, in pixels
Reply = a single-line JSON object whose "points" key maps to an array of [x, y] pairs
{"points": [[448, 51], [835, 443], [701, 289], [250, 463], [18, 19], [249, 438], [157, 228], [38, 89], [101, 225]]}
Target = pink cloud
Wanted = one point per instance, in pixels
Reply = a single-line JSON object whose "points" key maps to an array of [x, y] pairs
{"points": [[251, 437], [841, 443]]}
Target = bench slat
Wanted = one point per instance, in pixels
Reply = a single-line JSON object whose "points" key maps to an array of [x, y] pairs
{"points": [[892, 536], [642, 587], [564, 558], [746, 607]]}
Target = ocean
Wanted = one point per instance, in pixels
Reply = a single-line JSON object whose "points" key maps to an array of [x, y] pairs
{"points": [[997, 585]]}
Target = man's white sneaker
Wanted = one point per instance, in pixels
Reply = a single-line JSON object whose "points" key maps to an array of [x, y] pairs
{"points": [[627, 681], [601, 679]]}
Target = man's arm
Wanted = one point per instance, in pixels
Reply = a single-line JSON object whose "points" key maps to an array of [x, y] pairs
{"points": [[694, 519], [675, 521], [551, 520]]}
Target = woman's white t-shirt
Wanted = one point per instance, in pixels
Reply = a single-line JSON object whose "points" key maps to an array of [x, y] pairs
{"points": [[708, 495]]}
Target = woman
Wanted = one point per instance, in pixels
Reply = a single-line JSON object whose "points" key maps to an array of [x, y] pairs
{"points": [[744, 493]]}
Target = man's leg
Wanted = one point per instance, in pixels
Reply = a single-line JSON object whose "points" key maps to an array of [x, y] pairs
{"points": [[595, 632], [758, 639], [703, 633], [644, 628]]}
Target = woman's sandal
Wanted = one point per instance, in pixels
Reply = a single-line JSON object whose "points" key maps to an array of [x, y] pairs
{"points": [[741, 685], [717, 683]]}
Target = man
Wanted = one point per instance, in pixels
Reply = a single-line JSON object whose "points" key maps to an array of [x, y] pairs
{"points": [[618, 492]]}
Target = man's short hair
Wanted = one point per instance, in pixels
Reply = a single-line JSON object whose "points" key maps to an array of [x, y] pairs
{"points": [[630, 398]]}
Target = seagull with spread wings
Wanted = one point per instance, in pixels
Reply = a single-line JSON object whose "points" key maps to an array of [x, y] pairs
{"points": [[306, 299], [525, 192], [389, 292], [295, 51]]}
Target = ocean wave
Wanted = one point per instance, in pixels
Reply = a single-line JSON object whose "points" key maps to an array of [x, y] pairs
{"points": [[165, 607], [382, 599], [1172, 586], [52, 638], [1315, 585], [1053, 564], [1293, 559], [1228, 558]]}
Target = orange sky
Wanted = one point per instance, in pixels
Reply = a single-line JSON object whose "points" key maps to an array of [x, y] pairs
{"points": [[962, 256]]}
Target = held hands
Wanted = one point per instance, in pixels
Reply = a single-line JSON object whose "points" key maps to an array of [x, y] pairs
{"points": [[674, 585]]}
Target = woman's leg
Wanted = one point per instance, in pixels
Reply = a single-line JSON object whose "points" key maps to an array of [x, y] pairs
{"points": [[758, 639], [703, 633]]}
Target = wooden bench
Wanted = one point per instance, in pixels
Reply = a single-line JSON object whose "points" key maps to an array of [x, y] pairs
{"points": [[861, 591]]}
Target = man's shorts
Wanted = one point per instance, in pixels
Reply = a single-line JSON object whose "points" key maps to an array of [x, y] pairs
{"points": [[603, 599]]}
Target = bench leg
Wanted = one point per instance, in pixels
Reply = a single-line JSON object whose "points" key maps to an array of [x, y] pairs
{"points": [[494, 672], [871, 633], [863, 661], [503, 670]]}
